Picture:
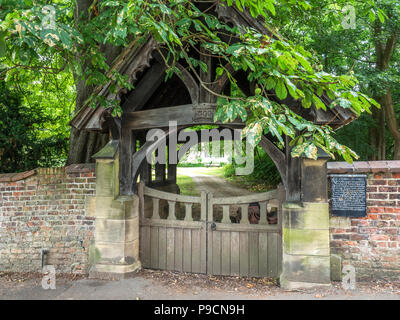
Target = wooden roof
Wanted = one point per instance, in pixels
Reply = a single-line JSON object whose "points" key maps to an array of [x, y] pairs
{"points": [[137, 58]]}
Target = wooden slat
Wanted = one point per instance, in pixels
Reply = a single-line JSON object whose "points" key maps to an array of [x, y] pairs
{"points": [[196, 251], [253, 254], [179, 249], [154, 248], [162, 248], [216, 252], [184, 114], [203, 206], [279, 253], [273, 255], [235, 253], [225, 215], [146, 245], [170, 249], [226, 253], [188, 212], [156, 209], [244, 254], [210, 240], [187, 250], [173, 223], [245, 214], [263, 213], [263, 254], [255, 197], [203, 249], [171, 210], [170, 196], [248, 228]]}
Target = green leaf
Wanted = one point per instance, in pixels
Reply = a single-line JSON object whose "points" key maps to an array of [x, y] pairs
{"points": [[281, 90]]}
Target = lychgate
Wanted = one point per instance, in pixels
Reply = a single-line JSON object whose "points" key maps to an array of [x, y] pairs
{"points": [[131, 230]]}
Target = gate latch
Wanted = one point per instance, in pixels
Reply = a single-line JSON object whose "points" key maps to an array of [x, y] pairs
{"points": [[213, 226]]}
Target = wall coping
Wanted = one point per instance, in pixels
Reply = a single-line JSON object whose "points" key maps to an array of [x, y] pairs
{"points": [[364, 166], [73, 168]]}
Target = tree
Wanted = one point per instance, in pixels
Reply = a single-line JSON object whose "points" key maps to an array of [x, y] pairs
{"points": [[84, 39], [24, 143], [367, 48]]}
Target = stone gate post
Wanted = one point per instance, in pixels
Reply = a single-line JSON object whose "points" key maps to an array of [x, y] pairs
{"points": [[305, 231], [116, 242]]}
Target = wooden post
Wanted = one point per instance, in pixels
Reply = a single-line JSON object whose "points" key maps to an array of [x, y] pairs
{"points": [[127, 149]]}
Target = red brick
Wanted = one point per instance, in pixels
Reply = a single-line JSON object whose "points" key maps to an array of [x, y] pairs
{"points": [[375, 209], [379, 237], [380, 196]]}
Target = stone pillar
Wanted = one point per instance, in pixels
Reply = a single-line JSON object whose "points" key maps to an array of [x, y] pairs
{"points": [[305, 229], [116, 245]]}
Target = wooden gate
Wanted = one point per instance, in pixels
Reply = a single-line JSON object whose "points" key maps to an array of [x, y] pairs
{"points": [[210, 235]]}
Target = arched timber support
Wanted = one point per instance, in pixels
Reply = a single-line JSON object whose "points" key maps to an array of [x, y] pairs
{"points": [[148, 147]]}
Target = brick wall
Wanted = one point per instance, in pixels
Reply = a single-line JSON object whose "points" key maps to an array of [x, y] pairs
{"points": [[45, 209], [372, 243]]}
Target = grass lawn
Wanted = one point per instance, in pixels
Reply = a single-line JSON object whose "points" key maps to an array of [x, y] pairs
{"points": [[186, 185], [210, 171]]}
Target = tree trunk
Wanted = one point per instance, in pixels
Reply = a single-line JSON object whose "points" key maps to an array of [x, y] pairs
{"points": [[393, 126], [377, 134], [82, 144], [384, 52]]}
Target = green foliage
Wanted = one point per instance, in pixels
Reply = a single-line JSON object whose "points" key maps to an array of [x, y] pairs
{"points": [[51, 41], [350, 50], [265, 171], [22, 144]]}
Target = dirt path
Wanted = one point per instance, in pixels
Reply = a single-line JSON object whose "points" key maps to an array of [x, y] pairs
{"points": [[216, 185]]}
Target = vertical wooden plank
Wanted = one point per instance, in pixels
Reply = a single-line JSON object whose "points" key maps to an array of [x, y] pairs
{"points": [[127, 149], [245, 214], [225, 214], [203, 249], [226, 253], [244, 254], [279, 253], [263, 254], [171, 210], [170, 249], [272, 254], [187, 250], [210, 234], [178, 249], [203, 207], [235, 253], [188, 212], [141, 200], [145, 244], [196, 250], [154, 248], [216, 252], [162, 248], [263, 213], [160, 167], [156, 208], [171, 171], [253, 254]]}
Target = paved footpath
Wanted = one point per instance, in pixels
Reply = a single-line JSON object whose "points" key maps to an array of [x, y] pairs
{"points": [[141, 287]]}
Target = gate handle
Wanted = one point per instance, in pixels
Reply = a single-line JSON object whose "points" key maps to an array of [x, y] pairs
{"points": [[213, 226]]}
